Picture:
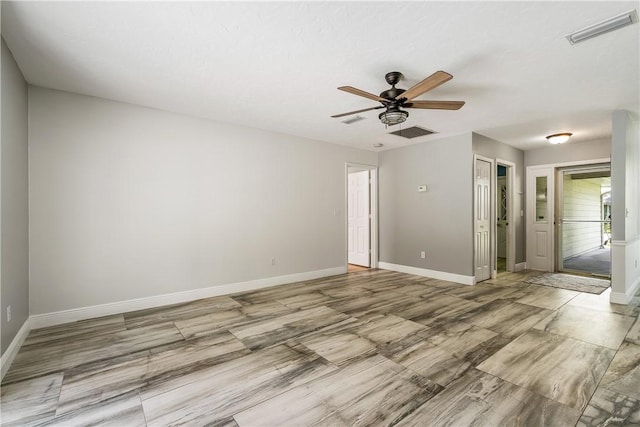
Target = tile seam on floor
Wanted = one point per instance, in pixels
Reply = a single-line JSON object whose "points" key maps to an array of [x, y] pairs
{"points": [[574, 338]]}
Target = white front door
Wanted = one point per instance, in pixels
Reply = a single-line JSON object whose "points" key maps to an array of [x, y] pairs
{"points": [[358, 219], [540, 195], [483, 217]]}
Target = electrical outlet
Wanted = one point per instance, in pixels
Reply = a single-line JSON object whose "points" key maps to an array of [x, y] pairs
{"points": [[273, 261], [423, 255], [8, 314]]}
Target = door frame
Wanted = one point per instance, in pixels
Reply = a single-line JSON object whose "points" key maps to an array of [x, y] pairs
{"points": [[492, 214], [511, 235], [531, 209], [559, 209], [373, 212]]}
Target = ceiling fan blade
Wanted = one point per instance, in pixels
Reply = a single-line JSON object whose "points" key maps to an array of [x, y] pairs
{"points": [[435, 105], [359, 92], [431, 82], [357, 111]]}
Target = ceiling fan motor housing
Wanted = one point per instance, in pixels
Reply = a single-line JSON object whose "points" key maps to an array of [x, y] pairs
{"points": [[392, 78], [391, 94]]}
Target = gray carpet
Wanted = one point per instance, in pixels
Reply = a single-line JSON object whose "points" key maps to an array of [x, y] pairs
{"points": [[597, 261], [572, 283]]}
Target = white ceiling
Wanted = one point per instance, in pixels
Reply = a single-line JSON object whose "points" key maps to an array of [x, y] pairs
{"points": [[276, 65]]}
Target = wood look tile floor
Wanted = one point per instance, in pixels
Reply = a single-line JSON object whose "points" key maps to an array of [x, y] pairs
{"points": [[373, 347]]}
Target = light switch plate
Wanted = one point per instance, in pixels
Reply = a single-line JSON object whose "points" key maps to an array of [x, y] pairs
{"points": [[422, 188]]}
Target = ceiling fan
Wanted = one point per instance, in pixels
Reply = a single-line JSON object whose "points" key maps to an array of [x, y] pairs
{"points": [[394, 99]]}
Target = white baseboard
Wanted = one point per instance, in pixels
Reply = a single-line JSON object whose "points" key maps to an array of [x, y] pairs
{"points": [[625, 298], [433, 274], [14, 347], [521, 266], [83, 313]]}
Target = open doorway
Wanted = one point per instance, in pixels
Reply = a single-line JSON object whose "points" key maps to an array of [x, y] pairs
{"points": [[504, 225], [584, 220], [361, 217], [501, 220]]}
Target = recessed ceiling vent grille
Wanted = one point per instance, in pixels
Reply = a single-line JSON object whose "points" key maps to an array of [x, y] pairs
{"points": [[412, 132], [352, 120]]}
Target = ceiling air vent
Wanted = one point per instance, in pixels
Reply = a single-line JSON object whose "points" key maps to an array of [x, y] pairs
{"points": [[412, 132], [605, 26]]}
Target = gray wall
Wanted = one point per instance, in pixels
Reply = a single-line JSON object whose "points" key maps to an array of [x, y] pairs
{"points": [[14, 215], [130, 202], [493, 149], [438, 221], [568, 152]]}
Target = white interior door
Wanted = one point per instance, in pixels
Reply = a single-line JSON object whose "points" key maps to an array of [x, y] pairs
{"points": [[482, 240], [540, 218], [358, 219]]}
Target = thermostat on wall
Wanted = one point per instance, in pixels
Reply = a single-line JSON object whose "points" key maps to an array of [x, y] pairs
{"points": [[422, 188]]}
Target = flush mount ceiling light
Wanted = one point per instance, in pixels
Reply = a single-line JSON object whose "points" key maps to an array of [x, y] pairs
{"points": [[611, 24], [559, 138], [393, 116]]}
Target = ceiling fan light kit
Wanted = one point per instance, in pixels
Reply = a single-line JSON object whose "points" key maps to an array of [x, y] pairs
{"points": [[559, 138], [393, 117], [394, 99]]}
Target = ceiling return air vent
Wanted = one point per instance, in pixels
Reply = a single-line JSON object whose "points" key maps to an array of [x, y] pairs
{"points": [[412, 132], [352, 120], [610, 24]]}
